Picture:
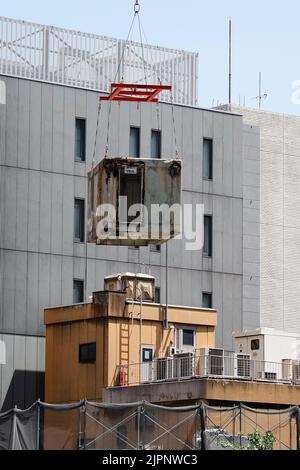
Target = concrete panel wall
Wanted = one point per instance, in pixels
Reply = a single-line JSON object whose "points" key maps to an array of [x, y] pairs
{"points": [[280, 217], [251, 228], [39, 180]]}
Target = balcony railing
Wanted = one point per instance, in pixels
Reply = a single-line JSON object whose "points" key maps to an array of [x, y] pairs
{"points": [[184, 367]]}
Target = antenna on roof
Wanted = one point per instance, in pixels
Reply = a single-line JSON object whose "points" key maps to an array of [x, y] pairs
{"points": [[261, 96]]}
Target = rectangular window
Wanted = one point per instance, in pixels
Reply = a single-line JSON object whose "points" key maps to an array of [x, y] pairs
{"points": [[79, 220], [206, 300], [134, 146], [78, 291], [254, 344], [208, 159], [87, 353], [188, 338], [207, 248], [157, 295], [155, 144], [80, 140]]}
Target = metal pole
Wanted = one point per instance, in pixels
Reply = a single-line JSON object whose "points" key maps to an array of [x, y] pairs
{"points": [[138, 427], [83, 440], [46, 52], [259, 95], [202, 417], [298, 428], [14, 428], [166, 319], [230, 62], [38, 425], [141, 321], [240, 405]]}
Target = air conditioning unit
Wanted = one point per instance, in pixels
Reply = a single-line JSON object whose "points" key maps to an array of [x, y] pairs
{"points": [[296, 372], [242, 365], [211, 361], [287, 369], [163, 369], [183, 365], [271, 376]]}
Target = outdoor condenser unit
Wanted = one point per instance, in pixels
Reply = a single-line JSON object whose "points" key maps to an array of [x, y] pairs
{"points": [[296, 372], [242, 365], [211, 361], [117, 184], [287, 369], [163, 369], [183, 365]]}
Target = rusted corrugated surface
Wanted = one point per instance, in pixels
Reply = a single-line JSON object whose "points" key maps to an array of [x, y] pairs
{"points": [[155, 182]]}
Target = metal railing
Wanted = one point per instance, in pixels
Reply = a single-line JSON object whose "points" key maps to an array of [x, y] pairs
{"points": [[57, 55], [183, 367]]}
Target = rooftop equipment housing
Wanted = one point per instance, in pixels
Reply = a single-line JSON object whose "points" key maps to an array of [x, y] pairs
{"points": [[144, 182], [134, 285]]}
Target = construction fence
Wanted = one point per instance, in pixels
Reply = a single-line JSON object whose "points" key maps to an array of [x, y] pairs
{"points": [[144, 426]]}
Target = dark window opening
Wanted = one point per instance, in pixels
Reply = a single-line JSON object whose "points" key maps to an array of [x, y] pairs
{"points": [[187, 337], [87, 353], [155, 144], [254, 344], [206, 300], [207, 248], [79, 220], [208, 159], [134, 145], [78, 291], [80, 140], [157, 295]]}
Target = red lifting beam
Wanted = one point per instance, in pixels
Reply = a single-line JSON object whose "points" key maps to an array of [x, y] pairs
{"points": [[134, 92]]}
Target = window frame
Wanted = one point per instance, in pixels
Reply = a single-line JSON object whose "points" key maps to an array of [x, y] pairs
{"points": [[139, 141], [87, 361], [79, 159], [255, 340], [178, 338], [157, 291], [211, 299], [81, 239], [208, 254], [76, 280], [159, 133], [211, 159]]}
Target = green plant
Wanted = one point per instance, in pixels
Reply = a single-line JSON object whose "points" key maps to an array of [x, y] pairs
{"points": [[257, 441]]}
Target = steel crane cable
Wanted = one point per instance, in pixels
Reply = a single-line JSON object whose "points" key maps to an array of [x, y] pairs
{"points": [[136, 12], [99, 105], [171, 96]]}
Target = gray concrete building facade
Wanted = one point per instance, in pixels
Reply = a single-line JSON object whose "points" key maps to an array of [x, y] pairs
{"points": [[41, 180]]}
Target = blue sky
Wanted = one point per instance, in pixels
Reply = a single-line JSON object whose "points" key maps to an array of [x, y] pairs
{"points": [[266, 38]]}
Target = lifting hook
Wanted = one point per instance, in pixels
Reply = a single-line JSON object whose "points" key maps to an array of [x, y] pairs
{"points": [[137, 7]]}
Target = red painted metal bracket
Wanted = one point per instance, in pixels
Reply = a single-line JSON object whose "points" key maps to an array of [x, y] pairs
{"points": [[134, 92]]}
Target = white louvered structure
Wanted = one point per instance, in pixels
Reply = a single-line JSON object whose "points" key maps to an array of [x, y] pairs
{"points": [[84, 60]]}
